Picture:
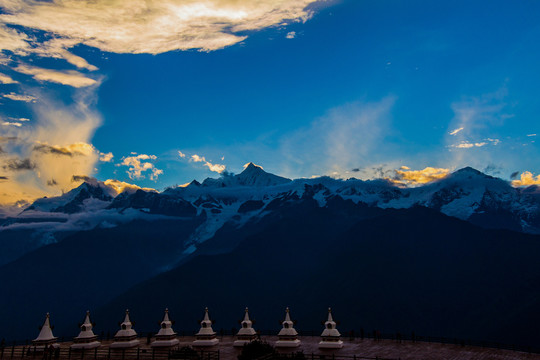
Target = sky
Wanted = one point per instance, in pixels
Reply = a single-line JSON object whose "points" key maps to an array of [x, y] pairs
{"points": [[158, 93]]}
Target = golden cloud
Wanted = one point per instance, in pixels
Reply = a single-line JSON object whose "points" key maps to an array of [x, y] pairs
{"points": [[405, 176], [527, 179]]}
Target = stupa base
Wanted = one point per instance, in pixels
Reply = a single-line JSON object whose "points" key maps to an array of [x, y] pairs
{"points": [[165, 343], [85, 346], [331, 344], [206, 342], [124, 344], [287, 343]]}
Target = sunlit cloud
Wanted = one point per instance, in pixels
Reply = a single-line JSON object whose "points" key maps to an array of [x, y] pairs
{"points": [[408, 177], [150, 27], [139, 164], [454, 132], [5, 79], [106, 157], [530, 135], [181, 154], [526, 179], [67, 77], [19, 97], [121, 186], [218, 168], [291, 35], [55, 148]]}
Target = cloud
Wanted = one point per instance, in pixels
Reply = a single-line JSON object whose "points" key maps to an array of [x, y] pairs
{"points": [[218, 168], [137, 165], [77, 149], [121, 186], [197, 158], [454, 132], [346, 137], [57, 145], [7, 123], [19, 165], [405, 176], [468, 145], [18, 97], [531, 135], [3, 178], [181, 154], [149, 27], [290, 35], [526, 179], [106, 157], [5, 79], [67, 77]]}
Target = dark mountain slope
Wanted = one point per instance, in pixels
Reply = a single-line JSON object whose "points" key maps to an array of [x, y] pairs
{"points": [[85, 270], [413, 269]]}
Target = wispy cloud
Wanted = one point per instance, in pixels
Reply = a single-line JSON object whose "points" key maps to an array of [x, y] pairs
{"points": [[347, 136], [139, 164], [67, 77], [454, 132], [291, 35], [530, 135], [526, 179], [7, 123], [19, 97]]}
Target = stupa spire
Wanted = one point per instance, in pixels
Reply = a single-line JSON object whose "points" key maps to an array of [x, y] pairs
{"points": [[246, 333], [126, 337], [166, 337], [331, 338], [287, 336], [86, 338], [206, 335], [45, 337]]}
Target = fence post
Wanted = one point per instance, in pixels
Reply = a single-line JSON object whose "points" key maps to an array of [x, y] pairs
{"points": [[12, 349], [69, 353], [123, 354], [82, 353], [109, 353], [138, 352], [153, 353]]}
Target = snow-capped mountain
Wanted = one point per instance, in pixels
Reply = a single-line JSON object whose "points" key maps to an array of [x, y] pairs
{"points": [[248, 197]]}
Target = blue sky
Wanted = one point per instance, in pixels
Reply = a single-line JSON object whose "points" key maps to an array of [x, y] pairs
{"points": [[301, 87]]}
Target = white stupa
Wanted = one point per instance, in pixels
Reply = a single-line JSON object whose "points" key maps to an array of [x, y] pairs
{"points": [[45, 338], [331, 338], [86, 338], [246, 333], [126, 337], [166, 337], [287, 336], [206, 335]]}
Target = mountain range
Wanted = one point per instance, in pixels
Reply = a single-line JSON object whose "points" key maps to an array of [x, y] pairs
{"points": [[455, 257]]}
